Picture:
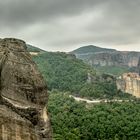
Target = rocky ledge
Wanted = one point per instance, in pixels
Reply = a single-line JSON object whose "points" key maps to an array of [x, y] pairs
{"points": [[23, 95]]}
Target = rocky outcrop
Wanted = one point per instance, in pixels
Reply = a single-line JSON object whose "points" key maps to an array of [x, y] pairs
{"points": [[96, 56], [23, 95], [129, 59], [129, 83]]}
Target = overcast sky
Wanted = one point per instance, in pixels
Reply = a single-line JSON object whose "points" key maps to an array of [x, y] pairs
{"points": [[63, 25]]}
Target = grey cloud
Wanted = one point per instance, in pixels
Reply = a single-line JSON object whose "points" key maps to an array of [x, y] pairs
{"points": [[21, 12], [119, 23], [61, 24]]}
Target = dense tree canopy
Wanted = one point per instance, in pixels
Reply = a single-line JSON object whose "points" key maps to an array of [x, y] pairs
{"points": [[72, 120], [75, 121], [65, 72], [62, 71]]}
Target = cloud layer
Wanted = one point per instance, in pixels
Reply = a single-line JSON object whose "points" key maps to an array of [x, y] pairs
{"points": [[67, 24]]}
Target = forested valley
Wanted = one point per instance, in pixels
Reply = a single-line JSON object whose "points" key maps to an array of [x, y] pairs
{"points": [[71, 120]]}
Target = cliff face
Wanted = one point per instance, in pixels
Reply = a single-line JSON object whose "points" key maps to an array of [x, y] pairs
{"points": [[23, 95], [97, 56], [129, 83], [129, 59]]}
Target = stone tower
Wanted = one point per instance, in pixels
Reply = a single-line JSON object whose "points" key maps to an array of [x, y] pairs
{"points": [[23, 95]]}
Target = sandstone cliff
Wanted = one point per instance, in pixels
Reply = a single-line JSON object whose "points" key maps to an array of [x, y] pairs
{"points": [[23, 95], [129, 83], [97, 56], [129, 59]]}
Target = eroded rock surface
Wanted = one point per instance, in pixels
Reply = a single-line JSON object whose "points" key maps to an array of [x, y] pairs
{"points": [[129, 59], [129, 83], [23, 95]]}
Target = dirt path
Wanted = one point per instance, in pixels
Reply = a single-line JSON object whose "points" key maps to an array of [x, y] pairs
{"points": [[96, 101]]}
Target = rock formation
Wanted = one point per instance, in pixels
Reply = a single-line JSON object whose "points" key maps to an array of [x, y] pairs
{"points": [[96, 56], [23, 95], [139, 66], [129, 83], [128, 59]]}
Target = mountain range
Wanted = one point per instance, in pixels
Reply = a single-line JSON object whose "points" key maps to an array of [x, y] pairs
{"points": [[108, 60], [104, 60]]}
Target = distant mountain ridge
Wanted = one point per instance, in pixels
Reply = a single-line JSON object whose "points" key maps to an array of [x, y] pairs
{"points": [[108, 59], [104, 60], [85, 52], [91, 49]]}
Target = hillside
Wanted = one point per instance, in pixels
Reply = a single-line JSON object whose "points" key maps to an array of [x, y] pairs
{"points": [[86, 52], [64, 72], [31, 48], [71, 120], [108, 60], [91, 49]]}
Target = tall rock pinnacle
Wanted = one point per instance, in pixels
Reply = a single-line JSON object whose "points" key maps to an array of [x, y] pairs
{"points": [[23, 95]]}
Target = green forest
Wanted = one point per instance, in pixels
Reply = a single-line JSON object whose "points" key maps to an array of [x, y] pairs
{"points": [[115, 70], [71, 120], [76, 121], [64, 72]]}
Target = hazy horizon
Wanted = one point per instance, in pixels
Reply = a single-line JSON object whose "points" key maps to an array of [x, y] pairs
{"points": [[80, 47], [65, 25]]}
